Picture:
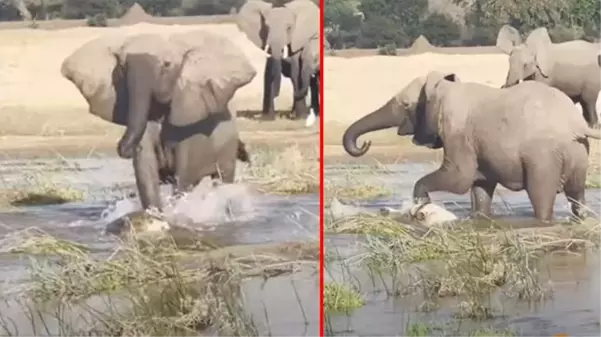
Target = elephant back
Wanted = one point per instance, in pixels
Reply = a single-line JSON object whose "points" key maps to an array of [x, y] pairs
{"points": [[213, 69], [91, 68]]}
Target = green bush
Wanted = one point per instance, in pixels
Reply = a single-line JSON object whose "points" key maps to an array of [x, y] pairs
{"points": [[561, 33], [98, 20], [389, 49], [441, 30]]}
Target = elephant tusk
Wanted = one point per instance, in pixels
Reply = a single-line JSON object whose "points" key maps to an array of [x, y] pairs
{"points": [[266, 49], [285, 52]]}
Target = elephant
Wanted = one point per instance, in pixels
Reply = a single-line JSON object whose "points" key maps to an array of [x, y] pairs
{"points": [[290, 34], [529, 136], [172, 94], [568, 66]]}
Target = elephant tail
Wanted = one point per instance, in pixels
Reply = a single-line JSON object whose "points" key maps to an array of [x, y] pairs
{"points": [[242, 153]]}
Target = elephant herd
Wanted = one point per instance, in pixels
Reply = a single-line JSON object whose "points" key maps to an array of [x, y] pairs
{"points": [[526, 135], [172, 92]]}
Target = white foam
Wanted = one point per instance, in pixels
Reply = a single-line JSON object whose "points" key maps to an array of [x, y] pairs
{"points": [[205, 206]]}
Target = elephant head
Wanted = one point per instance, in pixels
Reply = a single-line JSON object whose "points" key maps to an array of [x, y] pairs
{"points": [[411, 111], [280, 30], [528, 59], [131, 80]]}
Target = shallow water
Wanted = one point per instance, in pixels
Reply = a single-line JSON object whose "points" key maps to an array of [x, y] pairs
{"points": [[233, 211], [574, 308]]}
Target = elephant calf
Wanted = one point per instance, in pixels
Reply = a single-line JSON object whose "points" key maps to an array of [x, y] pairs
{"points": [[529, 136]]}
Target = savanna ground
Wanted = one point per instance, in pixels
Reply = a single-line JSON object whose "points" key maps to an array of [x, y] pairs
{"points": [[43, 116], [446, 280]]}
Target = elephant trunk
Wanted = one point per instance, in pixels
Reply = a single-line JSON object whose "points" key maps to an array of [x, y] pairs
{"points": [[275, 68], [389, 115], [140, 76]]}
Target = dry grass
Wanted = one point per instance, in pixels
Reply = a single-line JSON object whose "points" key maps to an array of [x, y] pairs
{"points": [[148, 287], [461, 262], [353, 188], [288, 171]]}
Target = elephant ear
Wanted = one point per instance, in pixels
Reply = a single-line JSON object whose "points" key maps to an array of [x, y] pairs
{"points": [[539, 42], [434, 78], [306, 24], [251, 21], [508, 38], [213, 68], [93, 69]]}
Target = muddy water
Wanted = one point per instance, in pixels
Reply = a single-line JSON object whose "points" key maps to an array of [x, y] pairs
{"points": [[234, 212], [574, 308]]}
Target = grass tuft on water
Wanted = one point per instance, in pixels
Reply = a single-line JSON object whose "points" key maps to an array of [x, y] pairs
{"points": [[147, 287], [287, 172], [340, 297], [355, 189], [463, 260], [40, 189], [423, 330]]}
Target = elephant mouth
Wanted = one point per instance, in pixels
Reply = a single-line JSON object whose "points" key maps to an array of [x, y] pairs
{"points": [[430, 142]]}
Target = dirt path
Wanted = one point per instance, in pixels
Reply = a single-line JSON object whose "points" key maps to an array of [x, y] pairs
{"points": [[279, 133]]}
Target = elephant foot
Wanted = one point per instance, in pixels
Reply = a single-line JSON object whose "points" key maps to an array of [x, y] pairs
{"points": [[267, 117]]}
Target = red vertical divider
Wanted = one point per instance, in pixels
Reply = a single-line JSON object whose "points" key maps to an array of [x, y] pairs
{"points": [[321, 173]]}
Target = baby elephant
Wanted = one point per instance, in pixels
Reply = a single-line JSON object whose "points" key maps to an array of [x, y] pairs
{"points": [[529, 136]]}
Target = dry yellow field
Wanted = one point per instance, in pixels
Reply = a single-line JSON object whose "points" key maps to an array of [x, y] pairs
{"points": [[40, 111], [354, 87]]}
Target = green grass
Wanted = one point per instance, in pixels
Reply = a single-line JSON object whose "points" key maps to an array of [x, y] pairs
{"points": [[593, 181], [340, 297], [423, 330]]}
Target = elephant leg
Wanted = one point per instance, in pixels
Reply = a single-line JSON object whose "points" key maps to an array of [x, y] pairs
{"points": [[542, 175], [314, 88], [146, 170], [268, 95], [589, 111], [194, 160], [286, 68], [301, 75], [481, 195], [456, 174], [226, 164], [575, 185]]}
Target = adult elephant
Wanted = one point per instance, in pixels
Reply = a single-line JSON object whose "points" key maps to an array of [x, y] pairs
{"points": [[568, 66], [290, 34], [172, 94], [488, 139]]}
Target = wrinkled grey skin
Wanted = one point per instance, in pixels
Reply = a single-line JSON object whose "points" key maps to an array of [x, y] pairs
{"points": [[172, 95], [488, 139], [290, 34], [571, 66]]}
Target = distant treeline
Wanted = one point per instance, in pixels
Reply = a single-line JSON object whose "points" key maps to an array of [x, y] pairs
{"points": [[11, 10], [390, 24]]}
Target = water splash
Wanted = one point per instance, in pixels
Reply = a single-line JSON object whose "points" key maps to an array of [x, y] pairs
{"points": [[205, 206]]}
